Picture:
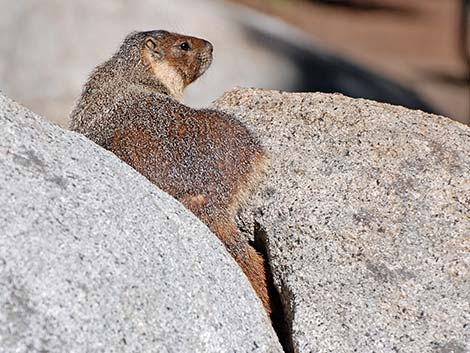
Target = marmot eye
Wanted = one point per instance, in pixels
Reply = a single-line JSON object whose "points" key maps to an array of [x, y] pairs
{"points": [[184, 46]]}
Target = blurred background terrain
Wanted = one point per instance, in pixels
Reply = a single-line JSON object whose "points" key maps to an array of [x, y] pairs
{"points": [[395, 51], [418, 43]]}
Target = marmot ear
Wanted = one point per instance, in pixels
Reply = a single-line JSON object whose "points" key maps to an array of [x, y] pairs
{"points": [[151, 44]]}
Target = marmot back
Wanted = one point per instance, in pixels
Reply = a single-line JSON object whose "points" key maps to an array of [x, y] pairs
{"points": [[204, 158]]}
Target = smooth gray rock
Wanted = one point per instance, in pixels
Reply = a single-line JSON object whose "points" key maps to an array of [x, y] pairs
{"points": [[94, 258], [366, 211]]}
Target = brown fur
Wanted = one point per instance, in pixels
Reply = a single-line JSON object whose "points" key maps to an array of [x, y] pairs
{"points": [[204, 158]]}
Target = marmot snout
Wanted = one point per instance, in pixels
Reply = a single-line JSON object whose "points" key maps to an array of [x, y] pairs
{"points": [[204, 158], [175, 57]]}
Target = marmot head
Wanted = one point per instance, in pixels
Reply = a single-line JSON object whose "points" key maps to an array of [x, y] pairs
{"points": [[173, 59]]}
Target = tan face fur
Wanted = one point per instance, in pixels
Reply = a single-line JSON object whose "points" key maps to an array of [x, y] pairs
{"points": [[176, 60]]}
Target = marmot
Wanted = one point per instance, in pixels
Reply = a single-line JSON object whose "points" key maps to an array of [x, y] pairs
{"points": [[204, 158]]}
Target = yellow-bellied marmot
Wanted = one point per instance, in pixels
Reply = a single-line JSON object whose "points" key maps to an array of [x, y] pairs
{"points": [[204, 158]]}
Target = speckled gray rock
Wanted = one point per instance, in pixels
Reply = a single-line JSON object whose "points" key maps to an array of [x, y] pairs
{"points": [[366, 210], [94, 258]]}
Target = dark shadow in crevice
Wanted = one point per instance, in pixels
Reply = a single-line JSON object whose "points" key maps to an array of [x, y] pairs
{"points": [[319, 70], [279, 319]]}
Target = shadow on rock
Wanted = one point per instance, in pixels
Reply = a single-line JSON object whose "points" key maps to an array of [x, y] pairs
{"points": [[369, 6]]}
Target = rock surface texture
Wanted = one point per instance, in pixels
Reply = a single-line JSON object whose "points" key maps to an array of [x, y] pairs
{"points": [[366, 211], [94, 258]]}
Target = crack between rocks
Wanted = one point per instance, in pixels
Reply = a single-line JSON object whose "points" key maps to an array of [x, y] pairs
{"points": [[280, 318]]}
